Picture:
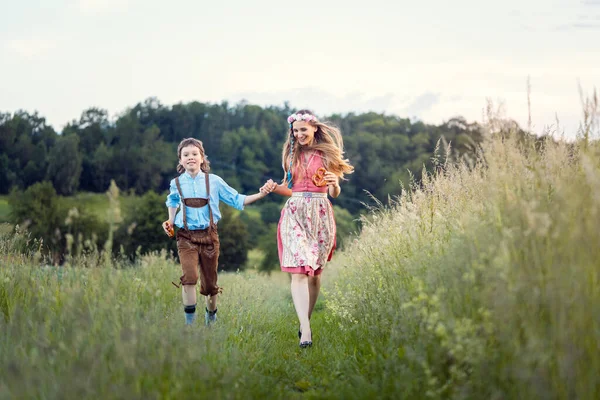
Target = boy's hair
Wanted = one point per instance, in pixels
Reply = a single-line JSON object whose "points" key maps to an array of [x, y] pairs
{"points": [[328, 141], [205, 166]]}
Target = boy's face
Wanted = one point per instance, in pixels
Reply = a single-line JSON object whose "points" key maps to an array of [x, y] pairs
{"points": [[304, 132], [191, 159]]}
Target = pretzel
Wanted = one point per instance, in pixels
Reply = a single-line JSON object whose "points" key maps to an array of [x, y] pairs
{"points": [[171, 230], [319, 177]]}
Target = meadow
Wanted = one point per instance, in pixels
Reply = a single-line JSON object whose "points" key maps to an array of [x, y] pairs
{"points": [[482, 281], [4, 208]]}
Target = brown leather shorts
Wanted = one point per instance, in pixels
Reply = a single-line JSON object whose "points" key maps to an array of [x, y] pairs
{"points": [[199, 252]]}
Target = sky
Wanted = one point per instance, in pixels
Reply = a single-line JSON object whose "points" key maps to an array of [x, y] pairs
{"points": [[428, 60]]}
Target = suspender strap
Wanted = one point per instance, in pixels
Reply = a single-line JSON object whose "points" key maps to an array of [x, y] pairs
{"points": [[183, 203], [208, 195]]}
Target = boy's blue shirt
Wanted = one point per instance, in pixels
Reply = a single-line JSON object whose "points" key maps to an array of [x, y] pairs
{"points": [[198, 218]]}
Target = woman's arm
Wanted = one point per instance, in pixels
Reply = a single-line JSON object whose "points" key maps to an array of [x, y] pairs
{"points": [[282, 190], [333, 184]]}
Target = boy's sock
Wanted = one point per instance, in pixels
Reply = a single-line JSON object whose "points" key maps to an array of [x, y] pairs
{"points": [[210, 317], [190, 314]]}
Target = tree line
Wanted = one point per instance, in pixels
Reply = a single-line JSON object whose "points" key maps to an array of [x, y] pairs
{"points": [[137, 150], [243, 143]]}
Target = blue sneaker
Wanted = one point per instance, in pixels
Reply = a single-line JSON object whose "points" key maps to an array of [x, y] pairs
{"points": [[210, 317]]}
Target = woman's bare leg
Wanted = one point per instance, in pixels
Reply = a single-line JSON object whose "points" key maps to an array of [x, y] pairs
{"points": [[314, 287], [301, 297]]}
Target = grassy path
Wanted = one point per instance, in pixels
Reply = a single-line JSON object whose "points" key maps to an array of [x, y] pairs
{"points": [[75, 333]]}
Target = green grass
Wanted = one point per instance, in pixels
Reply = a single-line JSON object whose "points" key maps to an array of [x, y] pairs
{"points": [[96, 203], [255, 257], [4, 209], [482, 282], [102, 333]]}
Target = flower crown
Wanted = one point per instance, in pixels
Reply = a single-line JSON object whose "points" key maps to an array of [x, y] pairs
{"points": [[295, 117], [301, 117]]}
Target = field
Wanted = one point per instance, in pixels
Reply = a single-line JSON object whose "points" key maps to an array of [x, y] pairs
{"points": [[481, 282]]}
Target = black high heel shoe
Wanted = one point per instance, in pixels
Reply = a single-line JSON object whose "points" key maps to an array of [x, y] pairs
{"points": [[306, 343]]}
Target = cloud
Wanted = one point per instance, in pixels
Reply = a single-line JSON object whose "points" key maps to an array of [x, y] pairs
{"points": [[421, 104], [101, 6], [586, 20], [578, 26], [32, 48], [325, 103], [320, 101], [581, 24]]}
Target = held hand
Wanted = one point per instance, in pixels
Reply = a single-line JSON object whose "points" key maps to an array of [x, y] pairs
{"points": [[268, 187], [168, 228], [264, 188]]}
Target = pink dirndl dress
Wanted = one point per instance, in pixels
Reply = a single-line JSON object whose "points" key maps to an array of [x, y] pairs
{"points": [[306, 229]]}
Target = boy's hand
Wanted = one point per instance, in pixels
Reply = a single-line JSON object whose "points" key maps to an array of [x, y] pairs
{"points": [[169, 228]]}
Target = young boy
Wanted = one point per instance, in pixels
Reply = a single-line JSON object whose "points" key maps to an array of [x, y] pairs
{"points": [[198, 194]]}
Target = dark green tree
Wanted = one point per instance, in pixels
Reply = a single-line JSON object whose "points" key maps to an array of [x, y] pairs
{"points": [[64, 165], [38, 210], [268, 246], [142, 232], [233, 236]]}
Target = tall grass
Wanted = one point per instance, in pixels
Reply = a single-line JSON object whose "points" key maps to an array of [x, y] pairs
{"points": [[119, 333], [483, 281], [4, 208]]}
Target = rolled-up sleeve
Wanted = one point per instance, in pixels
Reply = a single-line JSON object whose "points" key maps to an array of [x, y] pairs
{"points": [[173, 198], [230, 196]]}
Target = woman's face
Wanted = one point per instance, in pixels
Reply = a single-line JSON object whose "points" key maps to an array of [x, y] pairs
{"points": [[304, 132]]}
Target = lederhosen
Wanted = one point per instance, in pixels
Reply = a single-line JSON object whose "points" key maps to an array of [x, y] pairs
{"points": [[199, 247]]}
